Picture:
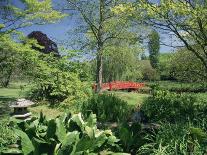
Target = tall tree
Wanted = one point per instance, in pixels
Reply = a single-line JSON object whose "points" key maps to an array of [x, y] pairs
{"points": [[27, 13], [186, 19], [12, 18], [154, 48], [102, 26]]}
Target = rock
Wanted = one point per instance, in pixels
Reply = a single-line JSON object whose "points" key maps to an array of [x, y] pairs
{"points": [[139, 117], [22, 103], [42, 39]]}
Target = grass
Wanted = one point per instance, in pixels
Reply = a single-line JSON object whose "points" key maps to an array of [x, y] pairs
{"points": [[130, 97], [14, 91], [8, 95], [174, 84], [202, 96], [48, 111]]}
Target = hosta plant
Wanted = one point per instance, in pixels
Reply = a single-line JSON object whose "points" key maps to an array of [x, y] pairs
{"points": [[65, 135]]}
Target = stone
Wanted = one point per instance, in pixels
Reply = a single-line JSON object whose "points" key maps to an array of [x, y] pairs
{"points": [[139, 117], [20, 109]]}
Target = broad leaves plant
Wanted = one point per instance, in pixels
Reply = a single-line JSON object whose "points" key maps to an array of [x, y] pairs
{"points": [[65, 135]]}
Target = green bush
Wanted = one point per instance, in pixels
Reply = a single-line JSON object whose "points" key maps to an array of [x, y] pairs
{"points": [[179, 87], [131, 137], [65, 135], [57, 80], [107, 107], [7, 135], [175, 139], [172, 107]]}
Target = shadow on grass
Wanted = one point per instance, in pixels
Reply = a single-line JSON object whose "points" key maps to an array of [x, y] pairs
{"points": [[4, 105]]}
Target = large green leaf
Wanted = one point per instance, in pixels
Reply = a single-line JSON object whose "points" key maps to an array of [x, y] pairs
{"points": [[27, 146], [91, 144], [69, 143], [91, 120], [51, 128], [78, 119], [60, 130], [43, 147]]}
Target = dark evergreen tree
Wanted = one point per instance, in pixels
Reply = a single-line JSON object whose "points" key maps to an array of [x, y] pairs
{"points": [[154, 48]]}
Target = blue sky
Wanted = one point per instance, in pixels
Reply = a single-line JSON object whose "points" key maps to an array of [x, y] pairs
{"points": [[58, 31]]}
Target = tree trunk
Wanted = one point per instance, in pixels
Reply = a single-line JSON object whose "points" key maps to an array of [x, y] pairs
{"points": [[99, 73], [99, 70]]}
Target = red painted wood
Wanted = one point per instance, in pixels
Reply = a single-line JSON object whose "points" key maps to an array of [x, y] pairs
{"points": [[120, 85]]}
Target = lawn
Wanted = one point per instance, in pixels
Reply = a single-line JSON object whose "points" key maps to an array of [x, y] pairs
{"points": [[14, 91], [7, 95], [48, 111], [131, 98]]}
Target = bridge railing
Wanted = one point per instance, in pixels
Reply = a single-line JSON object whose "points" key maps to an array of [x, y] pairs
{"points": [[120, 85]]}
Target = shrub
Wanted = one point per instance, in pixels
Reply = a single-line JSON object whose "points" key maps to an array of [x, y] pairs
{"points": [[148, 72], [179, 87], [172, 107], [107, 107], [176, 139], [131, 137], [57, 79], [7, 136]]}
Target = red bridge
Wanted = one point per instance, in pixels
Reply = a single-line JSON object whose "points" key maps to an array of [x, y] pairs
{"points": [[120, 85]]}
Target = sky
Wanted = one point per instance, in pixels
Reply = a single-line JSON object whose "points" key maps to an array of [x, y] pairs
{"points": [[58, 31]]}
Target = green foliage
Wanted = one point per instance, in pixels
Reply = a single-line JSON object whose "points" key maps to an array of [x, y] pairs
{"points": [[65, 135], [164, 16], [15, 57], [7, 136], [172, 107], [148, 73], [186, 67], [107, 107], [56, 80], [154, 47], [166, 67], [119, 64], [31, 12], [131, 137], [180, 87], [175, 139]]}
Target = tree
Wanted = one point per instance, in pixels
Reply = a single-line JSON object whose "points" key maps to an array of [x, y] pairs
{"points": [[186, 67], [101, 27], [154, 47], [165, 66], [185, 19], [12, 52], [15, 57], [121, 62], [31, 12]]}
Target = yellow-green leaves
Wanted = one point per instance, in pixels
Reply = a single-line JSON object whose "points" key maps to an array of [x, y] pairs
{"points": [[123, 8], [29, 13], [41, 11], [2, 26]]}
